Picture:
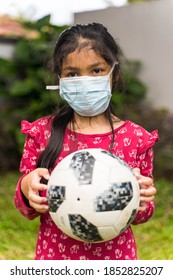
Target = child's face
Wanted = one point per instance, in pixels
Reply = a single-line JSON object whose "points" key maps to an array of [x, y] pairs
{"points": [[84, 62]]}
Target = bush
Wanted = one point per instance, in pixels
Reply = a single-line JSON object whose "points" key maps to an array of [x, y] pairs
{"points": [[162, 120], [23, 92]]}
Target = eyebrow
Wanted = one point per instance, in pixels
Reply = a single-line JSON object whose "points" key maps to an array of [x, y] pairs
{"points": [[90, 66], [70, 68]]}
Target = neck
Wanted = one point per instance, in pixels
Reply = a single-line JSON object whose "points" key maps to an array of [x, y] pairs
{"points": [[93, 125]]}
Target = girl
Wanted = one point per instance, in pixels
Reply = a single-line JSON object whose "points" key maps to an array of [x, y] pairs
{"points": [[86, 63]]}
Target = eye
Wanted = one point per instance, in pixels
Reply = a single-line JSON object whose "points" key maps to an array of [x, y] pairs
{"points": [[72, 74], [97, 71]]}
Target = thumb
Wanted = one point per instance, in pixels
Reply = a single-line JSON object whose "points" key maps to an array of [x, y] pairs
{"points": [[136, 171]]}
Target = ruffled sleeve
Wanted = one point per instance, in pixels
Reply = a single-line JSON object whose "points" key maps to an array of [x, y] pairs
{"points": [[150, 138], [145, 163], [37, 135], [31, 129], [32, 146], [145, 154]]}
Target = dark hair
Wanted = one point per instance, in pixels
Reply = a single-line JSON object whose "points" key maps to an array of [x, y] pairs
{"points": [[96, 35]]}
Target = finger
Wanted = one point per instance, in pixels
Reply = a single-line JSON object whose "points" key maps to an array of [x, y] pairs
{"points": [[41, 208], [38, 174], [147, 198], [37, 202], [37, 186], [35, 198], [148, 192], [43, 172], [145, 182]]}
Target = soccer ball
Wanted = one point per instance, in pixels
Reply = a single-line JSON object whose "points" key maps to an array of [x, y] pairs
{"points": [[93, 196]]}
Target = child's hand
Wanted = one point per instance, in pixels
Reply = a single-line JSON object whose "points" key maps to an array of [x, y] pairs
{"points": [[147, 189], [31, 186]]}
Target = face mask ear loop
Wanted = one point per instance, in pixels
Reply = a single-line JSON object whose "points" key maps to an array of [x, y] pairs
{"points": [[52, 87], [55, 87], [112, 69]]}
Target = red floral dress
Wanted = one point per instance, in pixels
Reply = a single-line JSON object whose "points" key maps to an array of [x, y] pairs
{"points": [[132, 143]]}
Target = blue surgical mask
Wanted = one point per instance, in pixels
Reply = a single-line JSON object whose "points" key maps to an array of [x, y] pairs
{"points": [[86, 95]]}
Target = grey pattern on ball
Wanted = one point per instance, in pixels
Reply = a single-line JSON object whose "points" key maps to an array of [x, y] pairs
{"points": [[82, 164], [116, 197], [55, 196], [83, 229]]}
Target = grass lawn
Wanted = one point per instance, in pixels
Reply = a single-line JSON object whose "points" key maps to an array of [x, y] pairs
{"points": [[155, 238], [18, 235]]}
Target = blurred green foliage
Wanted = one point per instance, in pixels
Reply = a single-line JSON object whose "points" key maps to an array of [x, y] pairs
{"points": [[23, 95], [134, 91]]}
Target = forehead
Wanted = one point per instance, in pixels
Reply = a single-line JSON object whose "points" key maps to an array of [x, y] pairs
{"points": [[82, 58]]}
